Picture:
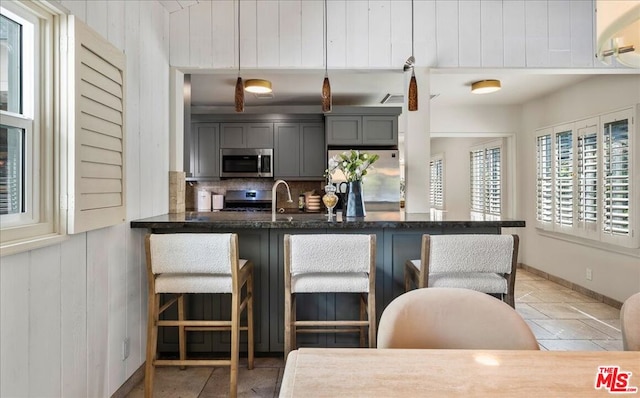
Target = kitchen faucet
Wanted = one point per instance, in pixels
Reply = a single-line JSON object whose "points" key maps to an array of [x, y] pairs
{"points": [[273, 197]]}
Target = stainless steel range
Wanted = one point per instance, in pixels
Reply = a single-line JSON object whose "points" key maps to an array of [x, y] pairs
{"points": [[247, 200]]}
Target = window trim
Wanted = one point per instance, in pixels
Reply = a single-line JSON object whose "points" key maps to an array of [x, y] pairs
{"points": [[439, 157], [45, 227], [579, 128], [494, 144]]}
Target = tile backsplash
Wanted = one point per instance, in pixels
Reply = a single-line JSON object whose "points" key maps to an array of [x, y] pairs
{"points": [[221, 187]]}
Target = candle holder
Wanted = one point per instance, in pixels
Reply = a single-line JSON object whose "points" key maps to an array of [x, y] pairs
{"points": [[330, 199]]}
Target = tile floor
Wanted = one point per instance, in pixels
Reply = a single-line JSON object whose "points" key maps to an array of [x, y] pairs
{"points": [[561, 319]]}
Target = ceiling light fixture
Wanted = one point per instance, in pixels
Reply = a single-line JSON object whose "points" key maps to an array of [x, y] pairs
{"points": [[258, 86], [618, 32], [239, 97], [485, 86], [413, 84], [326, 86]]}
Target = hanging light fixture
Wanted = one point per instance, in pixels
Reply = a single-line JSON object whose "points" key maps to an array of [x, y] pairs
{"points": [[413, 84], [239, 97], [326, 86]]}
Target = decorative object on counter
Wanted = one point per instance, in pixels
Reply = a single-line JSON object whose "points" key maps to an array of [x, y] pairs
{"points": [[301, 202], [330, 199], [239, 97], [326, 86], [402, 192], [413, 84], [217, 202], [313, 203], [354, 165]]}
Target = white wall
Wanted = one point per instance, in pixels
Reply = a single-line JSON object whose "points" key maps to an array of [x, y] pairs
{"points": [[377, 34], [616, 273], [66, 309]]}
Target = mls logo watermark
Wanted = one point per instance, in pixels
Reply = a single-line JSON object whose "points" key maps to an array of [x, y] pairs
{"points": [[615, 380]]}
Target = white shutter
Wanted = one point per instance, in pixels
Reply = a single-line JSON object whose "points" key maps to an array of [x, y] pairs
{"points": [[587, 169], [476, 159], [616, 179], [564, 176], [96, 186], [486, 179], [437, 183], [544, 180]]}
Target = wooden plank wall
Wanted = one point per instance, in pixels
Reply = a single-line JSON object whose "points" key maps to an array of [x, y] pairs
{"points": [[66, 309], [377, 33]]}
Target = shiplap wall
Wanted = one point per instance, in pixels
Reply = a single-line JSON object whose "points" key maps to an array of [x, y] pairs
{"points": [[377, 33], [66, 309]]}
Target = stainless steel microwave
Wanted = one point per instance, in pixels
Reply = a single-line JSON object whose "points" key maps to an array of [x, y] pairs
{"points": [[246, 162]]}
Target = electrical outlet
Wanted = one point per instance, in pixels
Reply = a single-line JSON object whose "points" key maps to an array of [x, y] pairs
{"points": [[125, 348], [589, 274]]}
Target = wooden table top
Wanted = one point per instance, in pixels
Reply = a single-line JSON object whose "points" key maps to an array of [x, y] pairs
{"points": [[361, 372]]}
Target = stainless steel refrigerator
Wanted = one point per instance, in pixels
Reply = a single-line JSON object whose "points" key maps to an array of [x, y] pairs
{"points": [[381, 185]]}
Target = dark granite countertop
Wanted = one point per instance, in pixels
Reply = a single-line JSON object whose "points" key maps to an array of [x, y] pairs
{"points": [[374, 219]]}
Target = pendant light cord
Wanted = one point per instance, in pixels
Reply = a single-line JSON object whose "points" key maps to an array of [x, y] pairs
{"points": [[412, 54], [238, 37], [325, 40]]}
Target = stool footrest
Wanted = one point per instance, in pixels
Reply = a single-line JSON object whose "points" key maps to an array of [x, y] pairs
{"points": [[351, 330], [192, 362], [331, 323]]}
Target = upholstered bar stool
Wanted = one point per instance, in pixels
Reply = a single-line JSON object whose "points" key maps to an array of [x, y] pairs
{"points": [[197, 263], [330, 263], [485, 263]]}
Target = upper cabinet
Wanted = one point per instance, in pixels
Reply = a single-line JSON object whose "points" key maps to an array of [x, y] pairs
{"points": [[299, 150], [246, 135], [205, 150], [379, 127]]}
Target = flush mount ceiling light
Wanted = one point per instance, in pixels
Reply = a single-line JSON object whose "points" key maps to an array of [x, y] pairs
{"points": [[258, 86], [485, 86]]}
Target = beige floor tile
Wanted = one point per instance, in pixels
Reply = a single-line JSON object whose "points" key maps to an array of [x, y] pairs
{"points": [[258, 382], [609, 327], [546, 285], [609, 345], [171, 382], [540, 332], [570, 345], [528, 312], [598, 310], [570, 329], [559, 310]]}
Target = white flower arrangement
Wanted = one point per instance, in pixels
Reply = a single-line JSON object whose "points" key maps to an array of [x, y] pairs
{"points": [[354, 164]]}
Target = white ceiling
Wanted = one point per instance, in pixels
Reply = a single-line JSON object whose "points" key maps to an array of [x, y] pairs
{"points": [[368, 88]]}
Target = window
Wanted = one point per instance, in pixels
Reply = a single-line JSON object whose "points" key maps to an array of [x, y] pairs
{"points": [[486, 179], [62, 131], [26, 138], [587, 184], [436, 195]]}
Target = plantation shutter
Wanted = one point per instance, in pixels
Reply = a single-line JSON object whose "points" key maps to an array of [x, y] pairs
{"points": [[477, 180], [493, 181], [587, 157], [544, 181], [564, 176], [616, 182], [437, 189], [96, 185]]}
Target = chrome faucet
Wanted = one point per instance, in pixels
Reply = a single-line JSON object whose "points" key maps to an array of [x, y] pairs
{"points": [[273, 197]]}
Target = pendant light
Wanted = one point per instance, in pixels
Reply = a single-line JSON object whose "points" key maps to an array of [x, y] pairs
{"points": [[413, 84], [239, 97], [326, 86]]}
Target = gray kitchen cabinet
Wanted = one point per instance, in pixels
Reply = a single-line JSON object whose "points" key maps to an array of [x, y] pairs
{"points": [[299, 150], [205, 150], [246, 135], [367, 130]]}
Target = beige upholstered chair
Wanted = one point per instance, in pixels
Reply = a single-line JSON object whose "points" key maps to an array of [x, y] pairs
{"points": [[486, 263], [630, 323], [330, 263], [453, 318], [197, 263]]}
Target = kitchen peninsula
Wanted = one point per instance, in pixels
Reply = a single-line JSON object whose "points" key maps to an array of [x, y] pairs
{"points": [[398, 236]]}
